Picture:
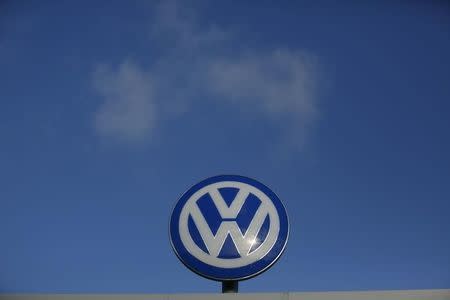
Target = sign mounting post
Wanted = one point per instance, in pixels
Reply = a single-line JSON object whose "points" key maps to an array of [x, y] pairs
{"points": [[230, 286]]}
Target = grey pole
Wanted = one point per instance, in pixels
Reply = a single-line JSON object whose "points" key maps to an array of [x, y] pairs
{"points": [[230, 286]]}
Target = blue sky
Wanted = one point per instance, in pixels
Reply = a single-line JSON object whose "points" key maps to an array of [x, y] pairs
{"points": [[110, 110]]}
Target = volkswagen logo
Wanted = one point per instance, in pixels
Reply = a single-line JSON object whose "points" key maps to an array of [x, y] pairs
{"points": [[229, 227]]}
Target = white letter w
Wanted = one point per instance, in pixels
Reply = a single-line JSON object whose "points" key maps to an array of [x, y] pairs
{"points": [[243, 242]]}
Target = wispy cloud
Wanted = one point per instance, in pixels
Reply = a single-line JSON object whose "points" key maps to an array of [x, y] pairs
{"points": [[177, 25], [281, 84], [278, 82], [128, 111]]}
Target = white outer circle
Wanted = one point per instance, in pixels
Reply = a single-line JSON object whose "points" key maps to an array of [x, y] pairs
{"points": [[254, 256]]}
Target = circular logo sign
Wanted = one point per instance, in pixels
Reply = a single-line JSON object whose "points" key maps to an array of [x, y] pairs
{"points": [[229, 228]]}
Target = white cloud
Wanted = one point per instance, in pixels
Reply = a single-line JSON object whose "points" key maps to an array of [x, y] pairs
{"points": [[280, 84], [128, 111], [176, 25]]}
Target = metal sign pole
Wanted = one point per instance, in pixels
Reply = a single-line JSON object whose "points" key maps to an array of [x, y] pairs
{"points": [[230, 286]]}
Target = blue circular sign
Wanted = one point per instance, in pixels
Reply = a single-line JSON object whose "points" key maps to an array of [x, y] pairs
{"points": [[229, 227]]}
